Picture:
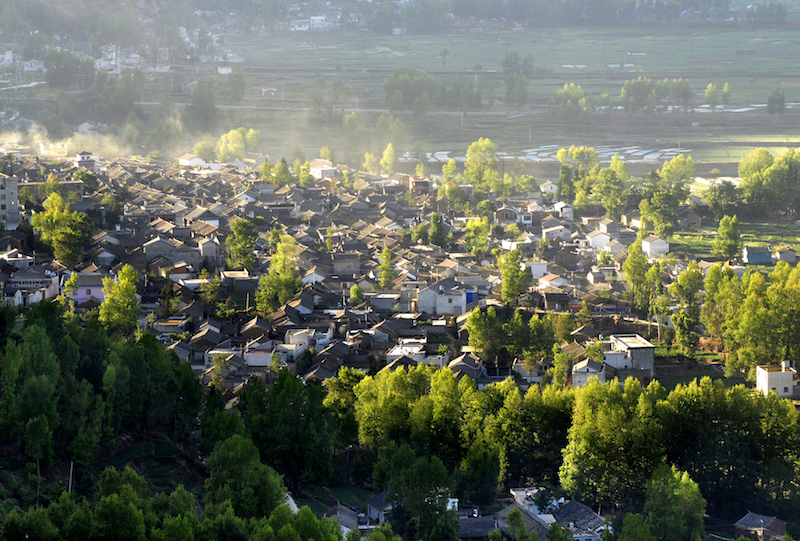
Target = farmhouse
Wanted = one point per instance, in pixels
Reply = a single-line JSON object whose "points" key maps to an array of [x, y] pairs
{"points": [[758, 527], [654, 247], [756, 255], [778, 379]]}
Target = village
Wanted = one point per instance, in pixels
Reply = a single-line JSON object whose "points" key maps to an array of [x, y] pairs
{"points": [[354, 309]]}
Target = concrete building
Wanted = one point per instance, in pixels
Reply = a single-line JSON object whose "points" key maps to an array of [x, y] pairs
{"points": [[639, 352], [779, 379]]}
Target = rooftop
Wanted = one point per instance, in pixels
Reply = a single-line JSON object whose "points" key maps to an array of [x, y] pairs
{"points": [[631, 341]]}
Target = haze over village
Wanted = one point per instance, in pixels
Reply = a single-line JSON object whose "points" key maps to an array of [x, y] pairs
{"points": [[424, 270]]}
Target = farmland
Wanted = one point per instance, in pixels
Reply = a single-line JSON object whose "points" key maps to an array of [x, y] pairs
{"points": [[280, 68]]}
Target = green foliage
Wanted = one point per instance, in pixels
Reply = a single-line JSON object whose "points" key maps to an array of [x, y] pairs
{"points": [[65, 231], [477, 237], [237, 475], [723, 198], [240, 244], [209, 287], [421, 233], [674, 507], [712, 96], [516, 85], [480, 167], [279, 284], [574, 109], [635, 268], [419, 491], [516, 276], [728, 244], [485, 337], [356, 295], [201, 114], [386, 270], [635, 528], [236, 142], [293, 429], [514, 63], [776, 101], [120, 308], [88, 178], [65, 70], [388, 160], [437, 234]]}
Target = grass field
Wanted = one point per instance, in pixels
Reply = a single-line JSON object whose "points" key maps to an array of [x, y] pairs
{"points": [[700, 243]]}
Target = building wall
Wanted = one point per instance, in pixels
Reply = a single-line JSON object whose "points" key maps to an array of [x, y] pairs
{"points": [[9, 200], [782, 382], [579, 379]]}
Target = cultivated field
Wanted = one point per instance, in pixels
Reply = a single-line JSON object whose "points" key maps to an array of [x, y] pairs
{"points": [[281, 67]]}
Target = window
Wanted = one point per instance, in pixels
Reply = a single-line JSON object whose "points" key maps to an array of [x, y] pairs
{"points": [[786, 389], [449, 301], [88, 291]]}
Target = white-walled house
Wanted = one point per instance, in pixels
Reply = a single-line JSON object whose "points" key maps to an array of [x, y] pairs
{"points": [[779, 379], [597, 239], [538, 268], [444, 297], [586, 369], [190, 160], [654, 247], [565, 210]]}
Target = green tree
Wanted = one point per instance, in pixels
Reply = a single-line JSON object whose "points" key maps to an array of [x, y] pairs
{"points": [[356, 295], [38, 440], [421, 234], [232, 144], [477, 237], [203, 150], [437, 234], [485, 333], [281, 283], [515, 275], [295, 431], [236, 474], [325, 153], [386, 269], [516, 85], [723, 197], [280, 174], [776, 101], [88, 178], [635, 528], [209, 287], [674, 507], [388, 160], [712, 97], [202, 111], [726, 94], [481, 163], [728, 242], [265, 171], [65, 231], [120, 308], [635, 268], [240, 244], [370, 164], [559, 533], [116, 518], [514, 63]]}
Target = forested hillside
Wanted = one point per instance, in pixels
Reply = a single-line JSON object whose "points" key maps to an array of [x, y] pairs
{"points": [[69, 392]]}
